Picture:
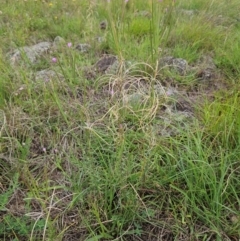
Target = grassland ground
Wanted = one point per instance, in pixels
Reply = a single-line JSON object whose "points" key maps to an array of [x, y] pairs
{"points": [[119, 120]]}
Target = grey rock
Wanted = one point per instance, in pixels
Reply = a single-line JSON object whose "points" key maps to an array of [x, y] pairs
{"points": [[180, 65], [45, 75], [83, 48], [59, 41], [134, 99], [205, 68], [164, 91], [208, 61], [32, 53], [112, 65], [177, 64], [206, 74], [173, 122], [104, 63], [116, 67]]}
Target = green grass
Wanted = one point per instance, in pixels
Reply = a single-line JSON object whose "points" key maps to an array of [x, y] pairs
{"points": [[100, 158]]}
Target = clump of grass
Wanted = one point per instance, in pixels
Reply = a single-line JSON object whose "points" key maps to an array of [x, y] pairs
{"points": [[222, 118], [228, 60], [19, 228], [139, 27]]}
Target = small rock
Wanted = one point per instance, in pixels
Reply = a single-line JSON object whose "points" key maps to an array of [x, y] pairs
{"points": [[58, 41], [165, 91], [45, 75], [178, 64], [134, 99], [205, 68], [208, 61], [119, 67], [104, 63], [205, 74], [173, 122], [32, 53], [83, 48]]}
